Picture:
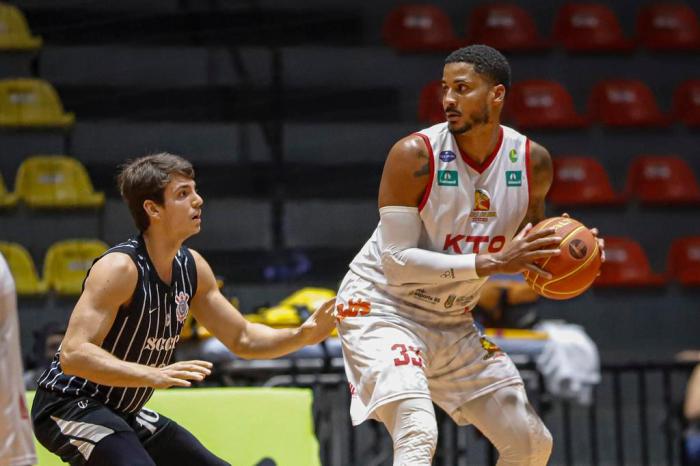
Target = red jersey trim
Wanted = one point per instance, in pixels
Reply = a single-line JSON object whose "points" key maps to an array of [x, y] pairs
{"points": [[527, 171], [482, 167], [431, 161]]}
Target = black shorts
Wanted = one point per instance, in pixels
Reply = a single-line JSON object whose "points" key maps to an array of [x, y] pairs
{"points": [[73, 427]]}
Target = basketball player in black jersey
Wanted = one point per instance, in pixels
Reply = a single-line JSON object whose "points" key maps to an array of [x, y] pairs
{"points": [[122, 334]]}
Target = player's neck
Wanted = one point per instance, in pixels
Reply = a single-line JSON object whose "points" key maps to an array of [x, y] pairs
{"points": [[480, 142], [161, 250]]}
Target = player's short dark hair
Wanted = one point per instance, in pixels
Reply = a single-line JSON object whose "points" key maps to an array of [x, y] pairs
{"points": [[487, 61], [145, 178]]}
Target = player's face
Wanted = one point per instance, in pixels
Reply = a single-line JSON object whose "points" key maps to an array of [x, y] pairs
{"points": [[467, 97], [183, 207]]}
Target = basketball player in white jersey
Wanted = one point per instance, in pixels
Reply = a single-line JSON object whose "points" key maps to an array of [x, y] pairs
{"points": [[456, 203], [16, 438]]}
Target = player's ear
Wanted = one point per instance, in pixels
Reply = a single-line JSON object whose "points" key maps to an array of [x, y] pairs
{"points": [[499, 93], [152, 209]]}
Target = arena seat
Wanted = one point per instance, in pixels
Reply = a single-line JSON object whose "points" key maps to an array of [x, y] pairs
{"points": [[419, 28], [67, 262], [23, 269], [14, 32], [684, 260], [56, 181], [625, 103], [7, 199], [504, 26], [589, 27], [662, 180], [430, 103], [31, 103], [686, 102], [541, 104], [626, 265], [581, 181], [669, 27]]}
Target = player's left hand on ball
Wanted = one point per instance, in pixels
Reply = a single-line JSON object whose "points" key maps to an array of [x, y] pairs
{"points": [[320, 324], [594, 232]]}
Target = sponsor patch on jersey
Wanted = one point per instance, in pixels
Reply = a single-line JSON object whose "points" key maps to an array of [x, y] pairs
{"points": [[513, 155], [421, 295], [447, 177], [354, 308], [491, 348], [447, 156], [182, 306], [514, 178], [482, 207]]}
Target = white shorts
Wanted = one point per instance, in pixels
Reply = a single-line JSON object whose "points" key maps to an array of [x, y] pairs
{"points": [[393, 350]]}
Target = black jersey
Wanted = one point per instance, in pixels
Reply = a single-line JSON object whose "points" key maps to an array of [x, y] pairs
{"points": [[143, 332]]}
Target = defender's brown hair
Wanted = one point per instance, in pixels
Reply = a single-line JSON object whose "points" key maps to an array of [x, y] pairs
{"points": [[145, 178]]}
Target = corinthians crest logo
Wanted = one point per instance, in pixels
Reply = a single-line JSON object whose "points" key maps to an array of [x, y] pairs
{"points": [[482, 207], [182, 307]]}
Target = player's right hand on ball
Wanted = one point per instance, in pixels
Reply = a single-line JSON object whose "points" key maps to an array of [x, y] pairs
{"points": [[525, 249], [180, 374]]}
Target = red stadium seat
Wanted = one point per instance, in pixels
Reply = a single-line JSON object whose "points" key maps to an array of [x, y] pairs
{"points": [[684, 260], [662, 180], [430, 103], [504, 26], [626, 265], [669, 26], [419, 28], [581, 181], [589, 27], [686, 102], [539, 103], [625, 102]]}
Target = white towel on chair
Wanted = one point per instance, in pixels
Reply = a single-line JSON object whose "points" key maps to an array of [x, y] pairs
{"points": [[569, 362]]}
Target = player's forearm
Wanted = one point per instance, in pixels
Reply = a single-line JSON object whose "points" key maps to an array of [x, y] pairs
{"points": [[91, 362], [416, 265], [262, 342]]}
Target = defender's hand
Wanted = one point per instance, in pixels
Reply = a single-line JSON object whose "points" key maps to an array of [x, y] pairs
{"points": [[320, 324], [180, 374], [521, 253]]}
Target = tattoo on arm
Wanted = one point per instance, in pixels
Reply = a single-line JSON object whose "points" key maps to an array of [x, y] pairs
{"points": [[425, 169]]}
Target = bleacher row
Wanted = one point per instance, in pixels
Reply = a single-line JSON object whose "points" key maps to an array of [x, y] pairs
{"points": [[60, 182], [546, 104], [578, 27]]}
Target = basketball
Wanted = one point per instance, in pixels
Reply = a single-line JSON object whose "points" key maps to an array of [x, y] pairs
{"points": [[575, 269]]}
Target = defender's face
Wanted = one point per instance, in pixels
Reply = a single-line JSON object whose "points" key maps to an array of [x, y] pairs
{"points": [[468, 98], [182, 207]]}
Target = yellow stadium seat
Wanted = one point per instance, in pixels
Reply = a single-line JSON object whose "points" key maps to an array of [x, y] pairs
{"points": [[67, 262], [287, 312], [31, 103], [309, 298], [14, 32], [55, 182], [23, 270], [280, 316], [7, 199]]}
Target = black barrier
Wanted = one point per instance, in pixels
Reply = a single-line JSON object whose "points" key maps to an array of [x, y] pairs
{"points": [[634, 419]]}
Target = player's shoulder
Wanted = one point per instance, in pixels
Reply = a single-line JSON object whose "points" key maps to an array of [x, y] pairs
{"points": [[115, 264]]}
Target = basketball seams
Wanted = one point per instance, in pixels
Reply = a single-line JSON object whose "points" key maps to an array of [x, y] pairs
{"points": [[585, 263], [545, 225]]}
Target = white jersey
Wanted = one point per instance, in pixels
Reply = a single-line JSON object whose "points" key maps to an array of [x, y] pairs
{"points": [[16, 438], [467, 208]]}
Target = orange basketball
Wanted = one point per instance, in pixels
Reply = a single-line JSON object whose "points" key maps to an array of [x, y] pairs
{"points": [[574, 270]]}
